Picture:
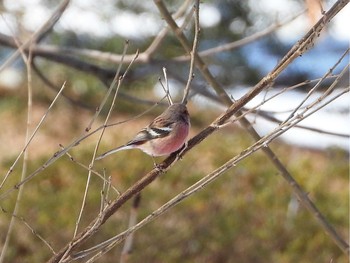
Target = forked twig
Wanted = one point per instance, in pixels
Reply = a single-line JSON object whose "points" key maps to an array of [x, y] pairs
{"points": [[166, 87], [39, 34], [193, 52], [117, 80], [105, 181], [297, 50], [105, 246], [84, 235], [63, 151], [32, 229], [32, 136], [329, 72]]}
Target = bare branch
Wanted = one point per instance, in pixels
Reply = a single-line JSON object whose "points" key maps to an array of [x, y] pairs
{"points": [[39, 34], [137, 187], [193, 52], [31, 228], [105, 246], [166, 87], [241, 42], [32, 136]]}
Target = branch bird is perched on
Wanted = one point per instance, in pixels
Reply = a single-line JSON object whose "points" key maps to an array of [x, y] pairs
{"points": [[164, 135]]}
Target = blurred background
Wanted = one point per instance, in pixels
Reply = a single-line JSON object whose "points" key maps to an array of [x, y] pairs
{"points": [[105, 25], [250, 214]]}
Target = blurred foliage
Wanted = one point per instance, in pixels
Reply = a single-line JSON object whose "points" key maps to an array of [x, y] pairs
{"points": [[233, 69], [247, 215], [230, 68], [244, 216]]}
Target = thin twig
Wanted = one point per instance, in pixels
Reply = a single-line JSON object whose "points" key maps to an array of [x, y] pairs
{"points": [[63, 151], [319, 82], [117, 80], [241, 42], [193, 52], [153, 47], [161, 168], [64, 54], [25, 222], [102, 177], [69, 55], [297, 50], [120, 79], [271, 118], [32, 136], [166, 87], [26, 152], [38, 35], [329, 72], [105, 246], [105, 193], [282, 128], [114, 82]]}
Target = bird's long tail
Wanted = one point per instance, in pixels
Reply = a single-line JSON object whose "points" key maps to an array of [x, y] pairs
{"points": [[120, 148]]}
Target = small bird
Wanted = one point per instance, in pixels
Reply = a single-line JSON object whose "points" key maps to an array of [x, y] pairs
{"points": [[164, 135]]}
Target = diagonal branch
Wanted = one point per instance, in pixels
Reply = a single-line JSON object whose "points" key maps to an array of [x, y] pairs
{"points": [[108, 244], [37, 36], [233, 109]]}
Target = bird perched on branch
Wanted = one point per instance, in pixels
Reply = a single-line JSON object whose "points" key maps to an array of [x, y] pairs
{"points": [[166, 134]]}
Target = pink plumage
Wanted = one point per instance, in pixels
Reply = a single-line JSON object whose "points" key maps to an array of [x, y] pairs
{"points": [[166, 134]]}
